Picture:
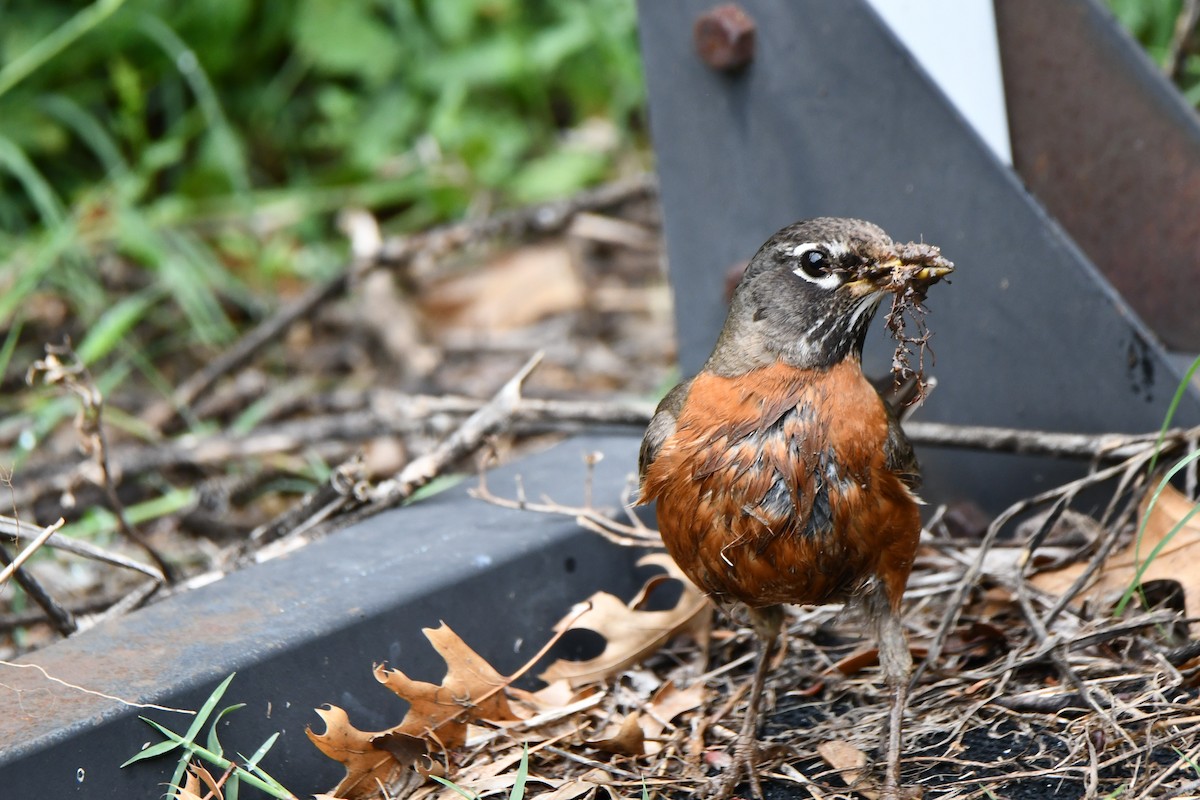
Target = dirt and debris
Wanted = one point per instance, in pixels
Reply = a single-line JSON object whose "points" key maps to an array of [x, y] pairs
{"points": [[658, 706]]}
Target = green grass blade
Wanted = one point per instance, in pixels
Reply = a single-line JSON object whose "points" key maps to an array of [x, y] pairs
{"points": [[1158, 548], [170, 734], [1135, 583], [154, 749], [59, 40], [261, 752], [266, 782], [185, 279], [10, 343], [114, 325], [174, 738], [89, 130], [518, 788], [455, 787], [34, 263], [207, 708], [255, 772], [14, 160], [99, 521], [213, 742], [1179, 392], [188, 63]]}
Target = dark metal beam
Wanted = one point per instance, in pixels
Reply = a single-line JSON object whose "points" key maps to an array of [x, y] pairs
{"points": [[833, 117], [305, 629]]}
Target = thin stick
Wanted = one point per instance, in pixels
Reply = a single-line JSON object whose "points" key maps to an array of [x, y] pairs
{"points": [[543, 219], [585, 516], [383, 412], [29, 550], [11, 529], [955, 606], [60, 617], [1181, 39], [62, 367], [1109, 446], [316, 507], [465, 440]]}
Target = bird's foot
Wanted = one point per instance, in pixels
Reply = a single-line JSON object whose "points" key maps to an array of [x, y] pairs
{"points": [[744, 765]]}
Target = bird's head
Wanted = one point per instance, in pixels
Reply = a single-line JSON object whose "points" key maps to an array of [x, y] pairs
{"points": [[810, 293]]}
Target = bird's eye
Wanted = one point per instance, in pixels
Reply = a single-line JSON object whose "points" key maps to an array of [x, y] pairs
{"points": [[814, 264], [811, 261]]}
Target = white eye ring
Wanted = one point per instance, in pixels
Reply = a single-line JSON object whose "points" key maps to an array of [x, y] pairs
{"points": [[830, 281]]}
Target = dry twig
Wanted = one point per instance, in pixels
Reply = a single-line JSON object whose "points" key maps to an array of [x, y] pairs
{"points": [[62, 367], [1182, 39], [489, 419], [541, 220]]}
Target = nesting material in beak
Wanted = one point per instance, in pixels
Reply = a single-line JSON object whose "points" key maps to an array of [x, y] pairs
{"points": [[908, 273], [911, 267], [908, 269]]}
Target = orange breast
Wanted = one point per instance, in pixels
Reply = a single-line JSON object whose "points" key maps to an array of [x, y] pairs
{"points": [[774, 488]]}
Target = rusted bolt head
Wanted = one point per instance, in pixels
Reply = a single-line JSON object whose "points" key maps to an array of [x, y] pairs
{"points": [[725, 37]]}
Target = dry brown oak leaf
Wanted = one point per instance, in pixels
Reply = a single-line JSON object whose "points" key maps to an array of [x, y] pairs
{"points": [[630, 633], [437, 718]]}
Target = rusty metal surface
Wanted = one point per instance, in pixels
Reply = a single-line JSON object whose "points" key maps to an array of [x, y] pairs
{"points": [[305, 629], [833, 117], [1111, 149]]}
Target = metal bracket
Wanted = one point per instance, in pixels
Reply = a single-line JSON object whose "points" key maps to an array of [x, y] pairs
{"points": [[831, 116]]}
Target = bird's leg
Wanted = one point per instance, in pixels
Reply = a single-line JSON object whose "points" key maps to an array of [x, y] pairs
{"points": [[896, 662], [766, 622]]}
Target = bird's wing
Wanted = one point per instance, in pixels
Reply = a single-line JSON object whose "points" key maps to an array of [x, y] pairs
{"points": [[661, 426], [899, 452]]}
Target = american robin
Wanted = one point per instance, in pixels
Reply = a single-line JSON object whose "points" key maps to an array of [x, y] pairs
{"points": [[780, 475]]}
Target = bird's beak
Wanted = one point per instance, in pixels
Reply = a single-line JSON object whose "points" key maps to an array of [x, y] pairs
{"points": [[911, 266]]}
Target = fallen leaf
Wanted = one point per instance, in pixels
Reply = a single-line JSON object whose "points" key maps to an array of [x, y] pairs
{"points": [[856, 662], [670, 701], [667, 703], [630, 634], [354, 749], [546, 713], [849, 762], [860, 659], [628, 740], [438, 715], [1176, 561], [404, 748], [516, 289], [208, 780], [551, 696], [191, 786], [997, 600], [471, 690]]}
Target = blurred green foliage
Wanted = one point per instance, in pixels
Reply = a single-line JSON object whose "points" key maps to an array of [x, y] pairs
{"points": [[164, 165], [428, 102], [209, 142], [1152, 23]]}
